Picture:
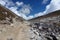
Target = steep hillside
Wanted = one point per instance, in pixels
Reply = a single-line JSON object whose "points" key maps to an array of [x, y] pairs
{"points": [[12, 27], [48, 16]]}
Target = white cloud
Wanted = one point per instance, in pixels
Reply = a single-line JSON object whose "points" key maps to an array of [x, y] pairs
{"points": [[25, 9], [19, 3], [21, 12], [30, 17], [44, 1], [2, 2], [9, 4], [53, 6]]}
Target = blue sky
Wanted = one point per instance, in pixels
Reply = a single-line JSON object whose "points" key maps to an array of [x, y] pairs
{"points": [[36, 5], [29, 9]]}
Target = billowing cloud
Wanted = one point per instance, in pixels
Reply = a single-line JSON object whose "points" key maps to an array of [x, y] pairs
{"points": [[2, 2], [25, 9], [53, 6]]}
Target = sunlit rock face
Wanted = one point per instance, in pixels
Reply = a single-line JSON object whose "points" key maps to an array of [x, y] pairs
{"points": [[12, 27]]}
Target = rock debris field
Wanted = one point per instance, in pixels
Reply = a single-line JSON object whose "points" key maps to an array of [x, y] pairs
{"points": [[44, 31]]}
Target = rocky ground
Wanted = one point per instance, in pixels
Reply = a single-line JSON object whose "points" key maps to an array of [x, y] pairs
{"points": [[45, 31], [14, 29], [23, 30]]}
